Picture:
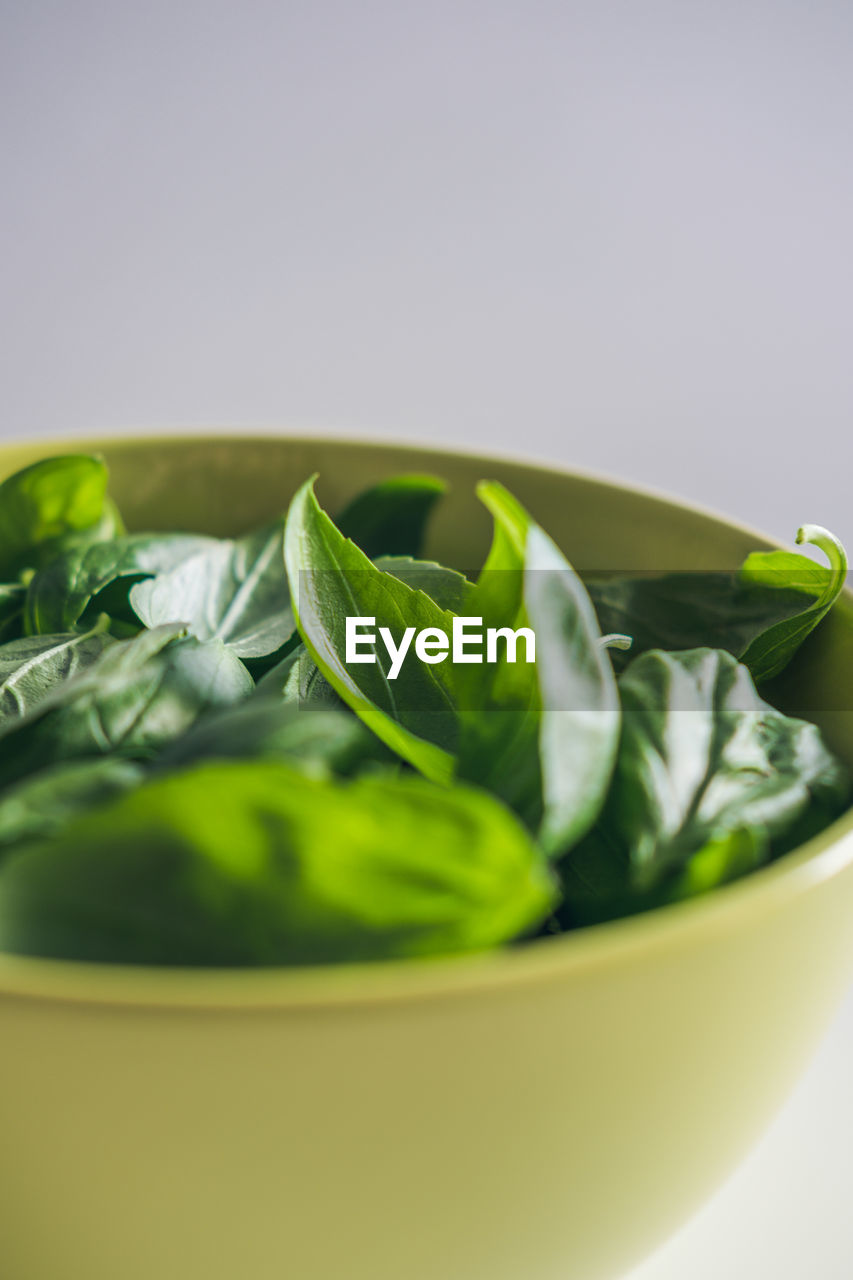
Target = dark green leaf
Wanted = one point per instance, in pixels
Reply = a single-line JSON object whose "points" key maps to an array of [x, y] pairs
{"points": [[277, 678], [446, 587], [32, 666], [139, 695], [319, 741], [255, 863], [599, 884], [76, 583], [231, 591], [12, 597], [706, 769], [298, 680], [389, 519], [758, 613], [686, 611]]}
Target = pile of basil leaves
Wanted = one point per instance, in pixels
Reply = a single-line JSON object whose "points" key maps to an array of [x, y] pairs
{"points": [[190, 774]]}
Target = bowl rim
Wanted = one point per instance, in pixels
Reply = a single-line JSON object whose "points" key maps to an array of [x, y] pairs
{"points": [[599, 947]]}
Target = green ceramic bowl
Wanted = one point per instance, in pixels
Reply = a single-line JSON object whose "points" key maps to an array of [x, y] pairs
{"points": [[550, 1112]]}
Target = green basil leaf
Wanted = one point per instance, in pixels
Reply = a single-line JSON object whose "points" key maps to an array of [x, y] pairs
{"points": [[771, 651], [279, 677], [297, 675], [108, 527], [77, 583], [298, 680], [701, 756], [139, 695], [43, 804], [47, 502], [500, 704], [507, 743], [727, 856], [598, 883], [757, 614], [448, 588], [32, 666], [234, 591], [390, 518], [543, 737], [255, 863], [330, 579], [319, 741], [673, 611], [580, 719]]}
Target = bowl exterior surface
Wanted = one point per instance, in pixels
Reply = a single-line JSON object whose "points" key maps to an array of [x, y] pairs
{"points": [[552, 1113]]}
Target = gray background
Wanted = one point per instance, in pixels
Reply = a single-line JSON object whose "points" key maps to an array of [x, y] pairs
{"points": [[610, 235]]}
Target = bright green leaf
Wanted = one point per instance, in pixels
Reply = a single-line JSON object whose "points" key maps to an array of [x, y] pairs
{"points": [[48, 502], [255, 863], [331, 579]]}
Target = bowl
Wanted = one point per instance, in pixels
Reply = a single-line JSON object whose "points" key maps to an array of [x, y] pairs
{"points": [[547, 1111]]}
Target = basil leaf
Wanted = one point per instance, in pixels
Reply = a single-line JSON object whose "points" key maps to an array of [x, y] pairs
{"points": [[43, 803], [757, 614], [507, 744], [32, 666], [319, 741], [76, 583], [298, 677], [390, 518], [277, 678], [448, 588], [545, 737], [675, 611], [134, 699], [299, 681], [501, 708], [255, 863], [706, 769], [598, 884], [771, 651], [234, 591], [726, 856], [48, 502], [330, 579], [580, 719]]}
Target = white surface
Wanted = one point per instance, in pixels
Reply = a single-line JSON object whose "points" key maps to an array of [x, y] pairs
{"points": [[616, 235], [785, 1214]]}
